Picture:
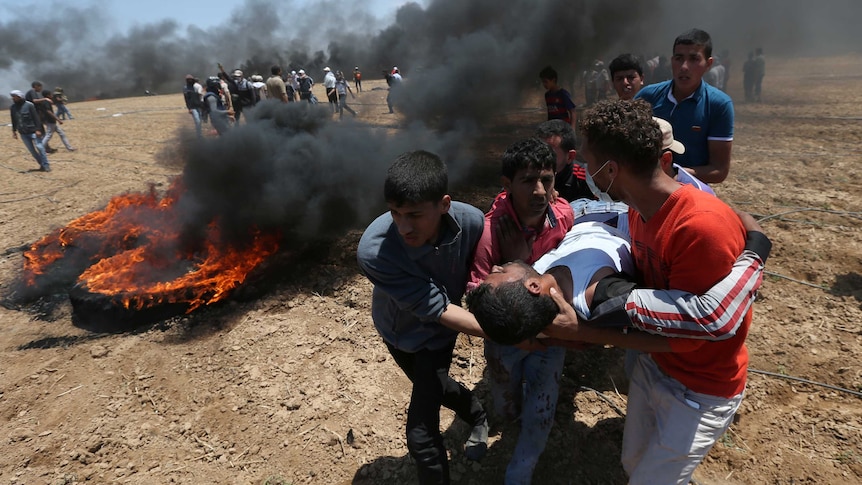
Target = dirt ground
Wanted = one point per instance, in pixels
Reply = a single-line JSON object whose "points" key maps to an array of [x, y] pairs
{"points": [[295, 386]]}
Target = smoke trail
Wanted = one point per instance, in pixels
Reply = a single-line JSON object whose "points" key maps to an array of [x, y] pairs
{"points": [[290, 168], [463, 49]]}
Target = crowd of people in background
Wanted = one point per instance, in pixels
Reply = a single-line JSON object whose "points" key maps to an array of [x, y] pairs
{"points": [[234, 93]]}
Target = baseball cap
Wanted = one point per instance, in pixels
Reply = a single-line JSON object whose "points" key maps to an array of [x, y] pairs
{"points": [[17, 92], [326, 69], [667, 141], [237, 73], [302, 71]]}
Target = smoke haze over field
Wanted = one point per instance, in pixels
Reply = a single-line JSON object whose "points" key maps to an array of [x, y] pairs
{"points": [[472, 52]]}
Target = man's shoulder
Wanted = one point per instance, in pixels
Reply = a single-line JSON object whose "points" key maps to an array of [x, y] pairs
{"points": [[653, 90], [715, 95], [466, 213], [374, 235], [703, 206]]}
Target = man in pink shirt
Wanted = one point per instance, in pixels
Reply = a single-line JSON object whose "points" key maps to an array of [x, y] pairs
{"points": [[527, 221]]}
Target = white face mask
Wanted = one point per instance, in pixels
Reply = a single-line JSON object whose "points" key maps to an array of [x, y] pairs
{"points": [[603, 196]]}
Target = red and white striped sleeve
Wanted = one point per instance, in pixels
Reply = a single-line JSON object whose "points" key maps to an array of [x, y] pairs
{"points": [[715, 315]]}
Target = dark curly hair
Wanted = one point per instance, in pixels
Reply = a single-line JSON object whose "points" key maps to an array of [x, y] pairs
{"points": [[528, 153], [625, 132], [509, 313]]}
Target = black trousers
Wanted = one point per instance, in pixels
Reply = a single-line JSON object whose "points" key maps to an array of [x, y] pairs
{"points": [[428, 370]]}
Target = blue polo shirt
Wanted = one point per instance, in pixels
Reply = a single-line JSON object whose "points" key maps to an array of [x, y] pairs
{"points": [[705, 115]]}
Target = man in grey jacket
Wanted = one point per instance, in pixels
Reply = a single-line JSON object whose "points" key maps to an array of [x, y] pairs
{"points": [[418, 255], [26, 121]]}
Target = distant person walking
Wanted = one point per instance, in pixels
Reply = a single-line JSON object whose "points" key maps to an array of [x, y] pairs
{"points": [[25, 120], [259, 88], [219, 114], [60, 101], [759, 72], [748, 69], [42, 104], [357, 79], [52, 125], [305, 83], [193, 94], [341, 90], [394, 80], [329, 85], [275, 86]]}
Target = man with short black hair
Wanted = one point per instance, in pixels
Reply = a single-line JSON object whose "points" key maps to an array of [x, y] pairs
{"points": [[701, 115], [25, 120], [275, 87], [682, 239], [417, 255], [52, 125], [627, 75], [193, 95], [570, 177], [524, 384]]}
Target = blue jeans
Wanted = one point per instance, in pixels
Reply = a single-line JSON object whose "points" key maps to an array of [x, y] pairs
{"points": [[34, 144], [528, 382], [50, 129], [196, 116], [63, 112]]}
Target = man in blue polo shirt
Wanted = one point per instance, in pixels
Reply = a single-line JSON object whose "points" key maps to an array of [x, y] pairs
{"points": [[701, 115]]}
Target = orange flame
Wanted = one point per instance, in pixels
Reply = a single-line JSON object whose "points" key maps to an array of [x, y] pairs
{"points": [[132, 254]]}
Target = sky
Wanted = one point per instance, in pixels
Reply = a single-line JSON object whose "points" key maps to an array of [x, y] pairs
{"points": [[117, 48], [128, 13]]}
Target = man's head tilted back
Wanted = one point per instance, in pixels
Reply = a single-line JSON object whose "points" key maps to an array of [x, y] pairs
{"points": [[511, 305]]}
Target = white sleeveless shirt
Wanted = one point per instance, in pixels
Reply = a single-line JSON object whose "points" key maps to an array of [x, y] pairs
{"points": [[585, 249]]}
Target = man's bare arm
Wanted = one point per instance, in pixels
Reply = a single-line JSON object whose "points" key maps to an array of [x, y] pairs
{"points": [[461, 320], [567, 327], [719, 163]]}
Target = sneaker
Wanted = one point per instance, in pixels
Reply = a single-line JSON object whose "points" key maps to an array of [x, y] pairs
{"points": [[477, 443], [71, 149], [50, 150], [45, 169]]}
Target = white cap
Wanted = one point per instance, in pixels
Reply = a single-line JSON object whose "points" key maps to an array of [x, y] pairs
{"points": [[667, 141], [302, 71], [326, 69]]}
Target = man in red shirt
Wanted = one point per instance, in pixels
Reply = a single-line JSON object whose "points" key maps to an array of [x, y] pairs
{"points": [[684, 391]]}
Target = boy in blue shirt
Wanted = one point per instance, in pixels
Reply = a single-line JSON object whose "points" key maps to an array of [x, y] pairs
{"points": [[418, 255], [558, 100]]}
